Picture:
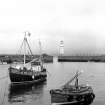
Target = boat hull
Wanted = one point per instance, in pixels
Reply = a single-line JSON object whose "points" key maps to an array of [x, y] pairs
{"points": [[26, 77], [71, 99]]}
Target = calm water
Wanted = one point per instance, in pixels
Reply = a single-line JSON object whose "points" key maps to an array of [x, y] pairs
{"points": [[59, 73]]}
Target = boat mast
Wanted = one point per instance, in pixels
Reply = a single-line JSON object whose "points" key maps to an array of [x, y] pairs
{"points": [[73, 78], [76, 81], [25, 48], [40, 48], [40, 54]]}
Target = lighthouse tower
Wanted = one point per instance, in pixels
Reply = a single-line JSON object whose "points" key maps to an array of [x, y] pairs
{"points": [[61, 48]]}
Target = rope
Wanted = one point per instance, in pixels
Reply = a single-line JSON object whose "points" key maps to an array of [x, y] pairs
{"points": [[21, 47], [75, 76], [29, 47]]}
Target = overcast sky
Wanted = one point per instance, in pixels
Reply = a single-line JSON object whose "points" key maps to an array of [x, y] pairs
{"points": [[80, 23]]}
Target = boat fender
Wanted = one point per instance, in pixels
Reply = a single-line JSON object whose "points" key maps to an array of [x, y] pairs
{"points": [[88, 98], [79, 98], [70, 98], [92, 96], [32, 76], [50, 91]]}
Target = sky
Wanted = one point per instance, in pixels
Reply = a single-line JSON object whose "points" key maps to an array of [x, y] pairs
{"points": [[79, 23]]}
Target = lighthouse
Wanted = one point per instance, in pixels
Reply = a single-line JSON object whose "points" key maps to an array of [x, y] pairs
{"points": [[61, 48]]}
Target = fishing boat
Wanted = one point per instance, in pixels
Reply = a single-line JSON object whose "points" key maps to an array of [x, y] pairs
{"points": [[27, 73], [72, 94]]}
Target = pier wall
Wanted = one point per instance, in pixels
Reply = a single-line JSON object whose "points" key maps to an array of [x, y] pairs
{"points": [[81, 58]]}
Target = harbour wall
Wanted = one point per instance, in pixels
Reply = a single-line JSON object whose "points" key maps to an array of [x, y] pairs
{"points": [[100, 58]]}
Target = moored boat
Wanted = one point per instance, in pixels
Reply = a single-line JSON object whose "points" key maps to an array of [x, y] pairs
{"points": [[27, 74], [72, 94]]}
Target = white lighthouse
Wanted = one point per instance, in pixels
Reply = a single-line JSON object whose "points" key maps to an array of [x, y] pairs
{"points": [[61, 48]]}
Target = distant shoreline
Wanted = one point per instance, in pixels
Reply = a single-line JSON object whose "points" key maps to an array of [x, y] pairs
{"points": [[10, 58]]}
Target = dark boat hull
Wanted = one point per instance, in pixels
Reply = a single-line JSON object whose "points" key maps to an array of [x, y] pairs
{"points": [[66, 99], [26, 77]]}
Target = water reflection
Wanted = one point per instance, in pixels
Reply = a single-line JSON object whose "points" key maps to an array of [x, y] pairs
{"points": [[25, 93]]}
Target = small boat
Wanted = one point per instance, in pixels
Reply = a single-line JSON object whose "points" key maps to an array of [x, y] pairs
{"points": [[72, 94], [27, 74]]}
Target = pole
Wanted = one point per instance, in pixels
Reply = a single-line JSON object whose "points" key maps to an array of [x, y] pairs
{"points": [[41, 54], [24, 49]]}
